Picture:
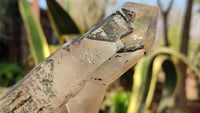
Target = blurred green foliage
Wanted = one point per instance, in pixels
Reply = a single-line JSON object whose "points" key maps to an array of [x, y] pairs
{"points": [[117, 103], [3, 6], [175, 39], [10, 73], [198, 1], [120, 100], [174, 36]]}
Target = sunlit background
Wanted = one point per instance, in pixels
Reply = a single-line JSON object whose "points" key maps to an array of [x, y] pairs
{"points": [[16, 58]]}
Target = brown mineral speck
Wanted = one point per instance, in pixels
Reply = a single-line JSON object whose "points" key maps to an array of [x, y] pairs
{"points": [[117, 56]]}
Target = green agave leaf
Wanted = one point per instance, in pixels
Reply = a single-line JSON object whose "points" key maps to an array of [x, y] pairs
{"points": [[145, 79], [36, 39], [172, 77], [179, 56], [172, 74], [61, 21], [142, 77]]}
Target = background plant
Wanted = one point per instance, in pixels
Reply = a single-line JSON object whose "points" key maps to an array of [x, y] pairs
{"points": [[10, 74], [83, 23]]}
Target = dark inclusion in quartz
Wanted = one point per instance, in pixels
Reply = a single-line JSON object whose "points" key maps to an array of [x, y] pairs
{"points": [[134, 24]]}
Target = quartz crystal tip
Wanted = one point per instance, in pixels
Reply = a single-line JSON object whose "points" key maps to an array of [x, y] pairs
{"points": [[143, 20], [133, 25]]}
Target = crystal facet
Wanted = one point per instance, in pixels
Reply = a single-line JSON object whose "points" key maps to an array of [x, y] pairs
{"points": [[144, 26], [74, 78]]}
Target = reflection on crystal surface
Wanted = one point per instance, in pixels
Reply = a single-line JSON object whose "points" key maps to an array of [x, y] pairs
{"points": [[79, 73], [144, 25], [130, 28]]}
